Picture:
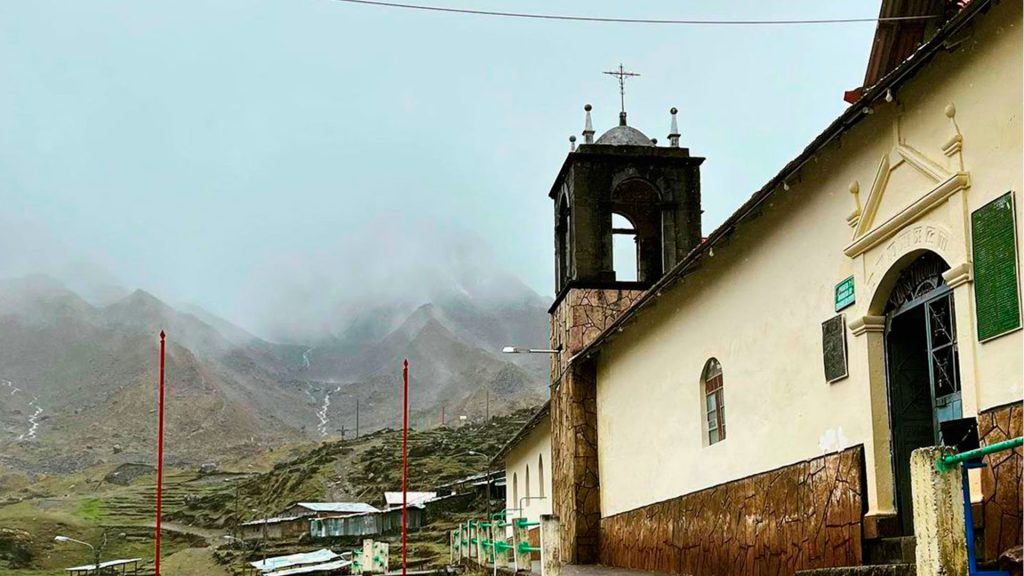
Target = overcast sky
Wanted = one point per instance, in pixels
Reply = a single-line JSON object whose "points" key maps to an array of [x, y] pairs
{"points": [[204, 149]]}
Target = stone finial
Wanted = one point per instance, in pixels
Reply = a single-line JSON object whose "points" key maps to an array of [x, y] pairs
{"points": [[654, 141], [854, 216], [588, 127], [955, 143], [622, 118], [673, 137], [572, 143]]}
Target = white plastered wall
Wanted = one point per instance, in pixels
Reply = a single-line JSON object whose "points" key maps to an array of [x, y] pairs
{"points": [[758, 303], [529, 452]]}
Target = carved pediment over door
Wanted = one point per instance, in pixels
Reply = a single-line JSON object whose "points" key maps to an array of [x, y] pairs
{"points": [[907, 185]]}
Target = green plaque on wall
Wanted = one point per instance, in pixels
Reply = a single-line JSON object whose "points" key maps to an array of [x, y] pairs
{"points": [[844, 294], [996, 292]]}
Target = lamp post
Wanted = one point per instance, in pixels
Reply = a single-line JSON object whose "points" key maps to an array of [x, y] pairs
{"points": [[95, 551]]}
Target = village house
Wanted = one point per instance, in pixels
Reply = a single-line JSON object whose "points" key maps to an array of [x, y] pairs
{"points": [[747, 403]]}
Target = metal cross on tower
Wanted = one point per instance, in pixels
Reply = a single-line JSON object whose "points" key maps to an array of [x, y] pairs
{"points": [[622, 75]]}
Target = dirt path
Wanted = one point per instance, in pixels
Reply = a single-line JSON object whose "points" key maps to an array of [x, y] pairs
{"points": [[212, 537]]}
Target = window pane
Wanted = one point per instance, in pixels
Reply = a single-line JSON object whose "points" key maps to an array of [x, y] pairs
{"points": [[712, 420], [712, 436], [711, 404]]}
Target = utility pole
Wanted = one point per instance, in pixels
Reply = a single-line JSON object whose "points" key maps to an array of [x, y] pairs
{"points": [[487, 406], [405, 460], [159, 456], [442, 415], [357, 417]]}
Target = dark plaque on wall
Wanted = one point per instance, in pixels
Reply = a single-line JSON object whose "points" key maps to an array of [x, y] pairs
{"points": [[833, 347], [996, 293]]}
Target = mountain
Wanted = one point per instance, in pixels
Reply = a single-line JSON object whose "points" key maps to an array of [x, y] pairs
{"points": [[78, 379]]}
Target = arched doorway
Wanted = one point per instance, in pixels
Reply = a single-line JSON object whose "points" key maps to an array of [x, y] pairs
{"points": [[922, 365]]}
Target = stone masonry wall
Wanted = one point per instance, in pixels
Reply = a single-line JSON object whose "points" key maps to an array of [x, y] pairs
{"points": [[806, 515], [581, 316], [1001, 480]]}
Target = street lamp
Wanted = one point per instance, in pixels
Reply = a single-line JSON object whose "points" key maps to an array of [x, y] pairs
{"points": [[488, 491], [518, 350], [95, 551]]}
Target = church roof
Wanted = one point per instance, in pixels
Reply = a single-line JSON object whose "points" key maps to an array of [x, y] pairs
{"points": [[542, 414], [624, 136], [856, 112]]}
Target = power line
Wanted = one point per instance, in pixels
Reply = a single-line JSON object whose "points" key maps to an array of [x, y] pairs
{"points": [[533, 16]]}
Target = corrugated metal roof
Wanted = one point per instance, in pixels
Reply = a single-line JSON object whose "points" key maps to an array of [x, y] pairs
{"points": [[338, 507], [414, 498], [274, 520], [279, 562], [336, 565], [107, 564]]}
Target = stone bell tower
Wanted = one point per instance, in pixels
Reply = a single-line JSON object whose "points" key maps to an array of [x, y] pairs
{"points": [[654, 193]]}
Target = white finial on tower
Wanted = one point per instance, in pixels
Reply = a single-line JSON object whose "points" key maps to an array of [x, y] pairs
{"points": [[673, 137], [588, 127], [572, 143]]}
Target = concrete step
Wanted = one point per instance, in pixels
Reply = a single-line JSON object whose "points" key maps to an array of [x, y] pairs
{"points": [[875, 570], [899, 550]]}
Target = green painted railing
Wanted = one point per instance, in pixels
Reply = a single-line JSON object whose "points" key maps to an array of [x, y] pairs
{"points": [[525, 548], [949, 462]]}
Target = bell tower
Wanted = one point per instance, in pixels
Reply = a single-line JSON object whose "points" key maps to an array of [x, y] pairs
{"points": [[620, 185]]}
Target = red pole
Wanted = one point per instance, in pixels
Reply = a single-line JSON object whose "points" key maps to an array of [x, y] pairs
{"points": [[405, 458], [160, 452]]}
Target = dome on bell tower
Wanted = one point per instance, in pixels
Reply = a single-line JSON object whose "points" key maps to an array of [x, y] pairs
{"points": [[623, 135]]}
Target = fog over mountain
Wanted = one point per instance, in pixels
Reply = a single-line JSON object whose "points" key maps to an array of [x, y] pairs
{"points": [[312, 336], [395, 264]]}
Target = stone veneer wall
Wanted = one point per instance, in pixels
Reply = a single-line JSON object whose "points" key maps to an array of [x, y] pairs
{"points": [[1001, 480], [579, 318], [806, 515]]}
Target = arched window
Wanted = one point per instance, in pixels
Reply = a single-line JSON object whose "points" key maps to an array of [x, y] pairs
{"points": [[637, 247], [624, 250], [540, 474], [515, 490], [714, 401], [527, 482]]}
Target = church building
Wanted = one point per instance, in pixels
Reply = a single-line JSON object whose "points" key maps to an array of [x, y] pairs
{"points": [[746, 403]]}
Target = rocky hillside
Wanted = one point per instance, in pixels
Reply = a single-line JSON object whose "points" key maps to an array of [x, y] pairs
{"points": [[77, 380]]}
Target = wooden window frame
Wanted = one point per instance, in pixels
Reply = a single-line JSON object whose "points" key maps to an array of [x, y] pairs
{"points": [[714, 391]]}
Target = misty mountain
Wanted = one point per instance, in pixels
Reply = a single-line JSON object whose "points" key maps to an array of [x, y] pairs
{"points": [[78, 379]]}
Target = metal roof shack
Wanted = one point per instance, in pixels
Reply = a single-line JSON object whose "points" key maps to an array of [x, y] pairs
{"points": [[277, 563], [414, 499], [319, 509], [326, 568], [92, 568]]}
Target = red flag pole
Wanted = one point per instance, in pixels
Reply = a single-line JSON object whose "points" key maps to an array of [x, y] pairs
{"points": [[160, 452], [405, 458]]}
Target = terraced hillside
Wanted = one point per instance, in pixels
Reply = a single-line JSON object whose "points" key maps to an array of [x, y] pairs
{"points": [[202, 507]]}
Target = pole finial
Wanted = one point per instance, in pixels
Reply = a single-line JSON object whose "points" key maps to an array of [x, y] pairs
{"points": [[673, 137], [588, 126], [162, 335]]}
